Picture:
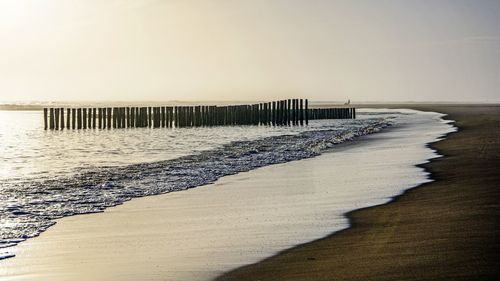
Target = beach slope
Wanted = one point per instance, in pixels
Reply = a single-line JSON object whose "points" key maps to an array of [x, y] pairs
{"points": [[444, 230]]}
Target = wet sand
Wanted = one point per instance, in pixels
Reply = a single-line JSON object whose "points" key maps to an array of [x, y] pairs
{"points": [[448, 229]]}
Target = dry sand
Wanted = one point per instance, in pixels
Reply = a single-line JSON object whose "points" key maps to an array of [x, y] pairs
{"points": [[445, 230]]}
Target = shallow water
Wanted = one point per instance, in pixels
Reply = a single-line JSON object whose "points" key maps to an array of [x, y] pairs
{"points": [[46, 175]]}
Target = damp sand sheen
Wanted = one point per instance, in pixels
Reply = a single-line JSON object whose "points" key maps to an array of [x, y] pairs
{"points": [[199, 233]]}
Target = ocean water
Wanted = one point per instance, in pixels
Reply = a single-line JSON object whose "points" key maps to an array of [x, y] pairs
{"points": [[45, 175], [200, 233]]}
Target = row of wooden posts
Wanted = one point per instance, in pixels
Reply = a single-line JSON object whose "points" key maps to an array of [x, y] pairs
{"points": [[283, 112]]}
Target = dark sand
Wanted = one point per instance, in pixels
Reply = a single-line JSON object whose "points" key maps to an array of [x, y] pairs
{"points": [[448, 229]]}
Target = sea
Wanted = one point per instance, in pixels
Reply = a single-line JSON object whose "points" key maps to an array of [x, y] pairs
{"points": [[46, 175]]}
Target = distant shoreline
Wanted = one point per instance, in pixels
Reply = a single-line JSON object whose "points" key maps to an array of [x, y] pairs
{"points": [[35, 106], [444, 230]]}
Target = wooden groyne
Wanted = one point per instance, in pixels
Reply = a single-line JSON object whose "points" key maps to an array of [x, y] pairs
{"points": [[291, 112]]}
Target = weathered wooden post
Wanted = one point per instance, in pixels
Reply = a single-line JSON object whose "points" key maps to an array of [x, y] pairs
{"points": [[182, 116], [123, 117], [73, 118], [45, 117], [119, 117], [108, 117], [89, 118], [274, 115], [163, 117], [159, 115], [51, 119], [177, 116], [56, 118], [68, 114], [94, 111], [113, 116], [170, 116], [301, 112], [84, 118], [278, 112], [149, 117], [131, 116], [100, 118], [79, 118], [307, 111], [62, 119]]}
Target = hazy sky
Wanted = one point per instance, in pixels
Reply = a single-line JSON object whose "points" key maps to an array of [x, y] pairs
{"points": [[371, 50]]}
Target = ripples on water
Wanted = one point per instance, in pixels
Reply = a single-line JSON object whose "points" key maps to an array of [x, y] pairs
{"points": [[51, 174]]}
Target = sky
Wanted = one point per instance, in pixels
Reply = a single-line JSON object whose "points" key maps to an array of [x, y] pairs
{"points": [[252, 50]]}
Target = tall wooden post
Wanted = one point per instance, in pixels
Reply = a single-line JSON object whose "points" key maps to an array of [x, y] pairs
{"points": [[79, 118], [108, 117], [56, 118], [73, 118], [51, 119], [100, 118], [84, 118], [45, 116], [62, 119], [68, 114], [307, 112]]}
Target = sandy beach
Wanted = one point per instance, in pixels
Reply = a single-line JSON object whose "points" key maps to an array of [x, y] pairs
{"points": [[200, 233], [444, 230]]}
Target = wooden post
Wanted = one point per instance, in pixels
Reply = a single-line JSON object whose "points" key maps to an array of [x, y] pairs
{"points": [[278, 112], [301, 112], [45, 121], [94, 112], [62, 118], [273, 114], [51, 119], [132, 118], [56, 118], [182, 116], [149, 117], [118, 117], [73, 118], [79, 118], [158, 117], [171, 118], [176, 116], [68, 114], [89, 118], [162, 117], [84, 118], [108, 117], [283, 112], [101, 118], [113, 116], [307, 112], [287, 112]]}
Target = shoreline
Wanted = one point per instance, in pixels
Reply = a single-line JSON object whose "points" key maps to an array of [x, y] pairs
{"points": [[282, 198], [322, 260]]}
